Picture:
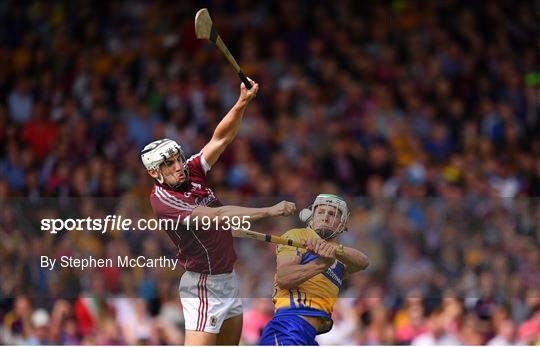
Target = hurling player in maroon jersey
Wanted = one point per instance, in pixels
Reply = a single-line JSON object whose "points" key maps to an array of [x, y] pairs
{"points": [[209, 290]]}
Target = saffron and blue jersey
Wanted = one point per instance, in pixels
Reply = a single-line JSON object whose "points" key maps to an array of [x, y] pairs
{"points": [[317, 295]]}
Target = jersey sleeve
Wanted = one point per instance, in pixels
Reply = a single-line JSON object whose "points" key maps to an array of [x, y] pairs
{"points": [[197, 166], [295, 235], [166, 206]]}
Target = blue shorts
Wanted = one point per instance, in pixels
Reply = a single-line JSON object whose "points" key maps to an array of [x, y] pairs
{"points": [[288, 330]]}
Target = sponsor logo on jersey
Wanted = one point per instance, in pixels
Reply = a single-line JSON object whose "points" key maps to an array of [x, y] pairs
{"points": [[334, 273]]}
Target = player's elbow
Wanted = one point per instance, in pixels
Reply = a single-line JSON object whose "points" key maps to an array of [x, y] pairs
{"points": [[283, 282], [227, 140], [364, 263], [284, 285], [360, 265], [221, 141]]}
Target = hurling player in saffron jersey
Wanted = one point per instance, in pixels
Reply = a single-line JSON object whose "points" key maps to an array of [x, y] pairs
{"points": [[308, 280], [209, 290]]}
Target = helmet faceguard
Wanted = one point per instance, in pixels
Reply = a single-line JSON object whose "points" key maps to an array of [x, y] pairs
{"points": [[156, 153], [307, 214]]}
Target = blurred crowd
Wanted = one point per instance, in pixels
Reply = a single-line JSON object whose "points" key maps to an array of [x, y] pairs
{"points": [[424, 115]]}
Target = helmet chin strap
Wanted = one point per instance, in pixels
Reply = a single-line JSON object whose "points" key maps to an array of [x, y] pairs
{"points": [[160, 179], [324, 233], [179, 185], [327, 233]]}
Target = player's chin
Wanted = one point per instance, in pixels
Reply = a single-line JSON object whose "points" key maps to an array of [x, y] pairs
{"points": [[323, 226], [177, 183], [180, 181]]}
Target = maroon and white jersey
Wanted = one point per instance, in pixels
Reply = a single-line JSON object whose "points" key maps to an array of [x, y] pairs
{"points": [[204, 251]]}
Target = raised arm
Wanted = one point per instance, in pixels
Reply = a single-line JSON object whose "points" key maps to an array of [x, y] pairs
{"points": [[226, 130]]}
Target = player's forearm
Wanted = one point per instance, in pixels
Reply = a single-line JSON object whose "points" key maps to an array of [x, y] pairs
{"points": [[232, 211], [353, 259], [227, 129], [292, 276], [251, 212]]}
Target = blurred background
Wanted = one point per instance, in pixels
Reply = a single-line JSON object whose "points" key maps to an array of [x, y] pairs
{"points": [[424, 115]]}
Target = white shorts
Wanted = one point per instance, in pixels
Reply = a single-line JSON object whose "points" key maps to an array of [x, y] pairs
{"points": [[208, 300]]}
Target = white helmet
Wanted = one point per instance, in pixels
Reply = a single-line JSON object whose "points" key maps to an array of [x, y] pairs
{"points": [[156, 152], [306, 215]]}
